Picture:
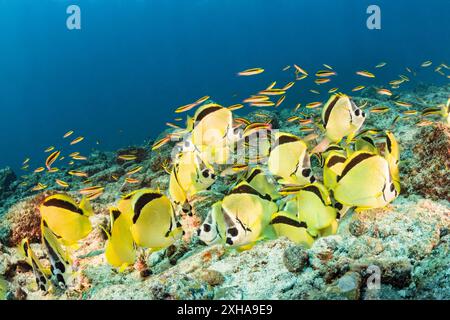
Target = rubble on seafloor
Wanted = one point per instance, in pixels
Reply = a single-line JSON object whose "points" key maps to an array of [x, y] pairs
{"points": [[398, 252]]}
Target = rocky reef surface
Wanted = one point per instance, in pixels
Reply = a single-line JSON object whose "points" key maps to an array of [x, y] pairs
{"points": [[398, 252]]}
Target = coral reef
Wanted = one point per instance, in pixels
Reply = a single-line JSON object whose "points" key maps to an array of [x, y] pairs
{"points": [[398, 252], [427, 173]]}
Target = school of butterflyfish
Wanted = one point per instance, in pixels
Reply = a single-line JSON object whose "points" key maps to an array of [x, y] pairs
{"points": [[275, 191]]}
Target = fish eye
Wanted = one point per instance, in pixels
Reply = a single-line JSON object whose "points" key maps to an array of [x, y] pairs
{"points": [[306, 172], [338, 206], [357, 112], [206, 227], [60, 267], [233, 232], [205, 173]]}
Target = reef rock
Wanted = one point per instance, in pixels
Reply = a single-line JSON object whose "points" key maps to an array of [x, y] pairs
{"points": [[427, 173], [7, 177]]}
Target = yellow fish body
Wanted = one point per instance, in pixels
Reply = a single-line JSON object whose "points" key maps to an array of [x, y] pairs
{"points": [[120, 250], [61, 264], [212, 230], [66, 218], [365, 143], [192, 175], [365, 182], [288, 225], [177, 193], [289, 159], [314, 207], [259, 180], [392, 155], [211, 125], [334, 164], [246, 215], [153, 223], [340, 118], [41, 274]]}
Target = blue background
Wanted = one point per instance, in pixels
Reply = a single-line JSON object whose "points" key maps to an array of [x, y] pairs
{"points": [[119, 78]]}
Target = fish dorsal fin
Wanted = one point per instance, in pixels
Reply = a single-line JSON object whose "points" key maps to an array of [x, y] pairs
{"points": [[86, 207], [114, 215]]}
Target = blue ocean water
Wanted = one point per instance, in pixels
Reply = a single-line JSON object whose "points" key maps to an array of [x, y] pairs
{"points": [[119, 79]]}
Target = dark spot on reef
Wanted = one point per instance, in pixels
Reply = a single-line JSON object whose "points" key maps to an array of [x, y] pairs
{"points": [[145, 273]]}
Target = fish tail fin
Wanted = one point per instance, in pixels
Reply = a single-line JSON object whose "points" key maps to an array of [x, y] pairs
{"points": [[189, 123]]}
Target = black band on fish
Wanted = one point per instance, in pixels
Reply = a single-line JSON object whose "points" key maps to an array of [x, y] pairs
{"points": [[206, 112], [389, 144], [370, 140], [286, 139], [58, 203], [328, 111], [245, 188], [288, 221], [254, 173], [115, 214], [314, 190], [355, 161], [142, 202], [335, 160]]}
